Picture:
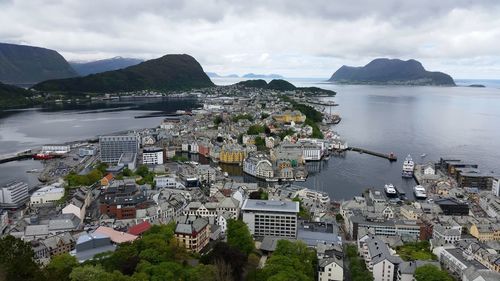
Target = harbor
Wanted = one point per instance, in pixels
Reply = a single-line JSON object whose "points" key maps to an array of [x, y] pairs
{"points": [[391, 156]]}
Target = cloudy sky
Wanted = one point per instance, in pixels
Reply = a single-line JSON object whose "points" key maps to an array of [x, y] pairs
{"points": [[294, 38]]}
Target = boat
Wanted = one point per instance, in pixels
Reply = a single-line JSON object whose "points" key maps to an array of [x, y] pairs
{"points": [[390, 191], [408, 167], [419, 192], [423, 155], [43, 156], [401, 193]]}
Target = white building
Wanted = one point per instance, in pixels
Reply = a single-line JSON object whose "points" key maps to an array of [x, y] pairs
{"points": [[47, 194], [168, 182], [331, 269], [86, 151], [258, 166], [449, 234], [311, 152], [13, 195], [56, 148], [152, 156], [222, 221], [429, 169], [271, 218], [495, 187]]}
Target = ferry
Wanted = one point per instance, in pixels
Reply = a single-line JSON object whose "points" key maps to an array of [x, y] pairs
{"points": [[419, 192], [43, 156], [408, 167], [390, 191]]}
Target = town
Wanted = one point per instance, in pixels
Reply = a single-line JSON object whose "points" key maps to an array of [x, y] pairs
{"points": [[100, 195]]}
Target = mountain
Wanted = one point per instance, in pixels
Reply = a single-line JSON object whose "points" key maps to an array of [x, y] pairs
{"points": [[280, 85], [170, 72], [29, 65], [262, 76], [215, 75], [391, 72], [93, 67], [11, 96]]}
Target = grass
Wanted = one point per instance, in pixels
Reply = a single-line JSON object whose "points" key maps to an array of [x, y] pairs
{"points": [[416, 251]]}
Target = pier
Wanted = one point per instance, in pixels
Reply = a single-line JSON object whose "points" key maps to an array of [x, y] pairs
{"points": [[391, 157], [16, 156]]}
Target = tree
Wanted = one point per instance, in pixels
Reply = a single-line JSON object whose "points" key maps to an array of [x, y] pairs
{"points": [[142, 171], [290, 261], [430, 272], [239, 236], [229, 262], [16, 260], [60, 267], [202, 272], [255, 130], [339, 218]]}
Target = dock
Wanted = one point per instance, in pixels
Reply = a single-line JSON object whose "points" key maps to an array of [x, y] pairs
{"points": [[391, 157], [16, 156]]}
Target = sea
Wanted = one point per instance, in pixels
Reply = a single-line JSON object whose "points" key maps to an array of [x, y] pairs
{"points": [[425, 122]]}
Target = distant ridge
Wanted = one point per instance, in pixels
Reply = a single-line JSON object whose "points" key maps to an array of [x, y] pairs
{"points": [[28, 65], [170, 72], [391, 72], [98, 66], [215, 75], [262, 76]]}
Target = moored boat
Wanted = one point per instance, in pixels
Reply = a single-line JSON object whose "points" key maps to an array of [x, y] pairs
{"points": [[419, 192], [408, 167], [390, 191]]}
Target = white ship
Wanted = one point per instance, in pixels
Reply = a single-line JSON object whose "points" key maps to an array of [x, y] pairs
{"points": [[408, 167], [390, 191], [419, 192]]}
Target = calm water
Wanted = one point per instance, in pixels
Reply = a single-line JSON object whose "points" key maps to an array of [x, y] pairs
{"points": [[457, 122]]}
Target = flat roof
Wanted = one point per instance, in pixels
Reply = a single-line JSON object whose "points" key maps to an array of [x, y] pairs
{"points": [[270, 206]]}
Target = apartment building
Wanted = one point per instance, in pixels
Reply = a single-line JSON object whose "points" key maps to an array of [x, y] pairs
{"points": [[112, 147], [271, 218]]}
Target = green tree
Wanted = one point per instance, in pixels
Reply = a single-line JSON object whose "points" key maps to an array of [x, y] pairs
{"points": [[239, 236], [217, 120], [142, 171], [430, 272], [339, 218], [255, 130], [16, 260], [202, 272], [60, 267], [127, 172], [290, 261]]}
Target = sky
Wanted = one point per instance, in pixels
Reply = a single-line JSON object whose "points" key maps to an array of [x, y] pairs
{"points": [[304, 38]]}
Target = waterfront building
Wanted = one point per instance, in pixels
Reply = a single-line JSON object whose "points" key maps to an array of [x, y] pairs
{"points": [[288, 151], [271, 218], [311, 152], [152, 156], [193, 233], [13, 195], [112, 147], [56, 148], [495, 186], [258, 166], [122, 199], [232, 154], [47, 195]]}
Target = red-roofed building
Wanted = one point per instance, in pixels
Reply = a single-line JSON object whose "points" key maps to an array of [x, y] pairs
{"points": [[140, 228], [106, 179]]}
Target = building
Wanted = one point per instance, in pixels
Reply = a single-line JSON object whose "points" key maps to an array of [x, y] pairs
{"points": [[13, 195], [4, 220], [448, 234], [379, 258], [121, 200], [56, 148], [90, 244], [495, 186], [289, 116], [86, 151], [486, 232], [117, 237], [474, 274], [152, 156], [232, 154], [331, 269], [406, 228], [112, 147], [193, 233], [128, 160], [453, 207], [258, 166], [455, 260], [406, 270], [271, 218], [78, 203], [290, 152], [47, 195], [106, 180], [168, 182], [311, 152], [59, 244]]}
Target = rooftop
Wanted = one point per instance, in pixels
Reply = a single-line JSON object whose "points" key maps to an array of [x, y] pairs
{"points": [[270, 206]]}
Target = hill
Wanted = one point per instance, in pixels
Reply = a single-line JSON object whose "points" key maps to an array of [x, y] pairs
{"points": [[262, 76], [93, 67], [391, 72], [29, 65], [283, 85], [12, 96], [215, 75], [170, 72]]}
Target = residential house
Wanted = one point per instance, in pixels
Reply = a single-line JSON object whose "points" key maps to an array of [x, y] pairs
{"points": [[193, 233]]}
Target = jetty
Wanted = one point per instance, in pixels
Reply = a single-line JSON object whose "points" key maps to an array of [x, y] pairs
{"points": [[391, 156], [16, 156]]}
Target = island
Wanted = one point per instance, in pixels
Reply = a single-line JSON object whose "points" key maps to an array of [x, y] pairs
{"points": [[383, 71]]}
